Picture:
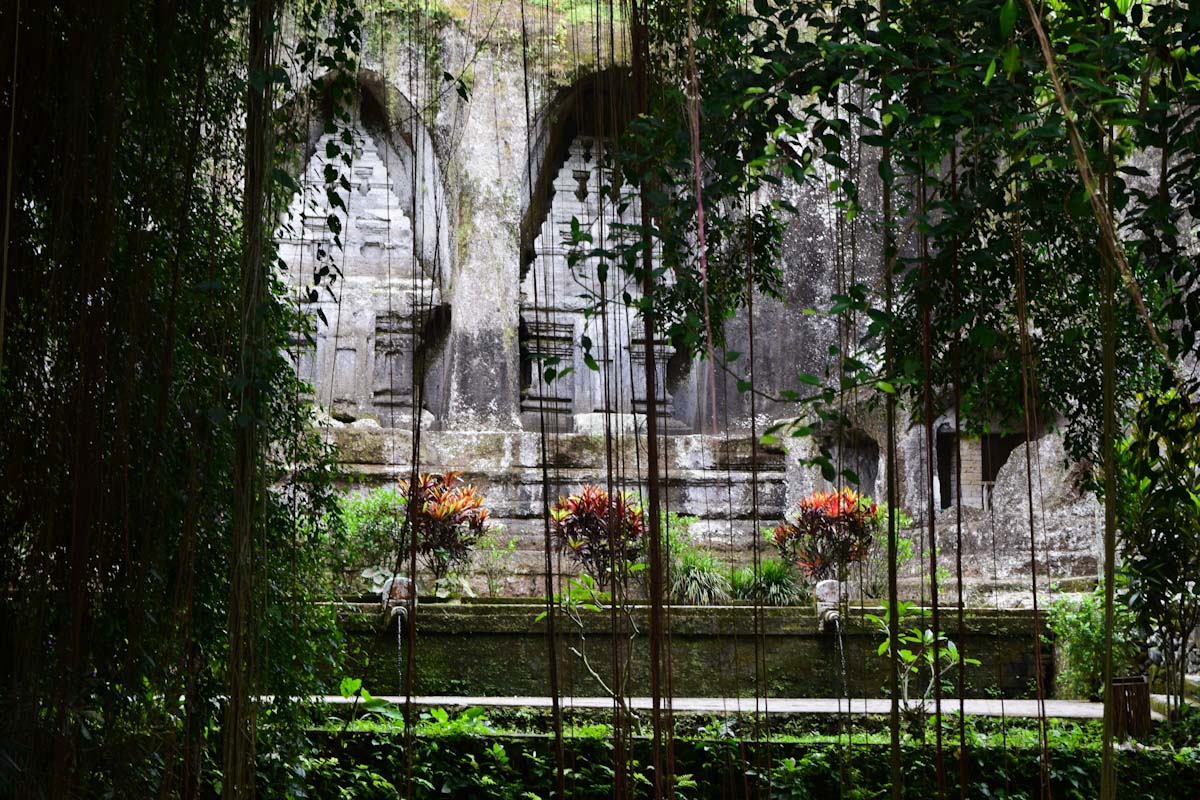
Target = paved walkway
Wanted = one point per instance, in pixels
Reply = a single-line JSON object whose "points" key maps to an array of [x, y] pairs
{"points": [[1059, 709]]}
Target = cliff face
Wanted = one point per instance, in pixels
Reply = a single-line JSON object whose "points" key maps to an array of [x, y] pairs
{"points": [[462, 307]]}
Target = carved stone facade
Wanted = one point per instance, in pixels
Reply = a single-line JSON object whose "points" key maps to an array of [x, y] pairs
{"points": [[466, 289], [370, 322], [578, 310]]}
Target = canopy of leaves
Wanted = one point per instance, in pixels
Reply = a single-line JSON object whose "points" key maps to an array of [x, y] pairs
{"points": [[991, 254], [120, 373]]}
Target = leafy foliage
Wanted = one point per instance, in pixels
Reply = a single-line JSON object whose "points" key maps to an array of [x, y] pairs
{"points": [[872, 571], [376, 533], [697, 577], [1078, 627], [827, 531], [122, 367], [1158, 479], [1002, 760], [774, 584], [447, 519], [601, 534], [986, 275], [494, 558], [924, 658]]}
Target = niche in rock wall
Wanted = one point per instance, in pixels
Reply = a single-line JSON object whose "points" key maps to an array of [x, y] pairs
{"points": [[546, 348], [981, 460], [583, 346], [856, 451], [349, 232]]}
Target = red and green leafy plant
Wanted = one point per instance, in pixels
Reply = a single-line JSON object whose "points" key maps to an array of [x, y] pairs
{"points": [[598, 531], [447, 518], [826, 531]]}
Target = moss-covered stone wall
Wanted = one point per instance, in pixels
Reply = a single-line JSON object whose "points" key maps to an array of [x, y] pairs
{"points": [[481, 649]]}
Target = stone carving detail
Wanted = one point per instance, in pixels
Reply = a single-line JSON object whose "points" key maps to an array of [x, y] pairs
{"points": [[547, 340], [362, 364], [564, 304], [637, 356]]}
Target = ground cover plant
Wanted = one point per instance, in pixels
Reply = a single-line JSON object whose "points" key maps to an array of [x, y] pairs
{"points": [[772, 583], [466, 753], [697, 576]]}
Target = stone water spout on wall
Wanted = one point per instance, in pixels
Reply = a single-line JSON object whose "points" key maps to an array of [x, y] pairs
{"points": [[394, 597], [832, 596]]}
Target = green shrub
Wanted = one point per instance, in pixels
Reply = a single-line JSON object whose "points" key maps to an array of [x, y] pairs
{"points": [[775, 585], [580, 524], [1078, 627], [697, 576], [375, 535], [494, 558], [872, 571]]}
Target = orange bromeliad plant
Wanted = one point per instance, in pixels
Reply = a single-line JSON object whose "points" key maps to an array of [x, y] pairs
{"points": [[827, 530]]}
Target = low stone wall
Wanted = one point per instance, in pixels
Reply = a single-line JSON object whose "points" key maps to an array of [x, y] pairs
{"points": [[734, 489], [482, 648]]}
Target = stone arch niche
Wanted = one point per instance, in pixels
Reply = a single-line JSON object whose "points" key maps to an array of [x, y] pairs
{"points": [[378, 352], [982, 457], [565, 306]]}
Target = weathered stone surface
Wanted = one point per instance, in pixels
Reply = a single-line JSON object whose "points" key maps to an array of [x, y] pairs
{"points": [[487, 649], [1067, 523], [456, 287]]}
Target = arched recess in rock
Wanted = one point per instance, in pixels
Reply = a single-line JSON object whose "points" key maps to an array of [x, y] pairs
{"points": [[573, 303], [378, 353], [982, 454]]}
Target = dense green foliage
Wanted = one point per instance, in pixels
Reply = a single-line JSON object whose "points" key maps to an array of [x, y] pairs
{"points": [[1078, 627], [773, 583], [1158, 473], [696, 576], [470, 757], [130, 341], [376, 535]]}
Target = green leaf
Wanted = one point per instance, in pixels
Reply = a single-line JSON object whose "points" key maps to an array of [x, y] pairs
{"points": [[990, 72], [885, 387], [283, 179], [1012, 60], [1008, 17]]}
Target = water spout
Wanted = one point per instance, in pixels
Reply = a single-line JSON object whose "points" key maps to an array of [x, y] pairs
{"points": [[829, 620], [831, 596], [395, 596]]}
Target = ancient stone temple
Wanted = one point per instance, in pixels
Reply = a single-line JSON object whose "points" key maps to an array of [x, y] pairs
{"points": [[379, 319], [468, 305], [565, 306]]}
